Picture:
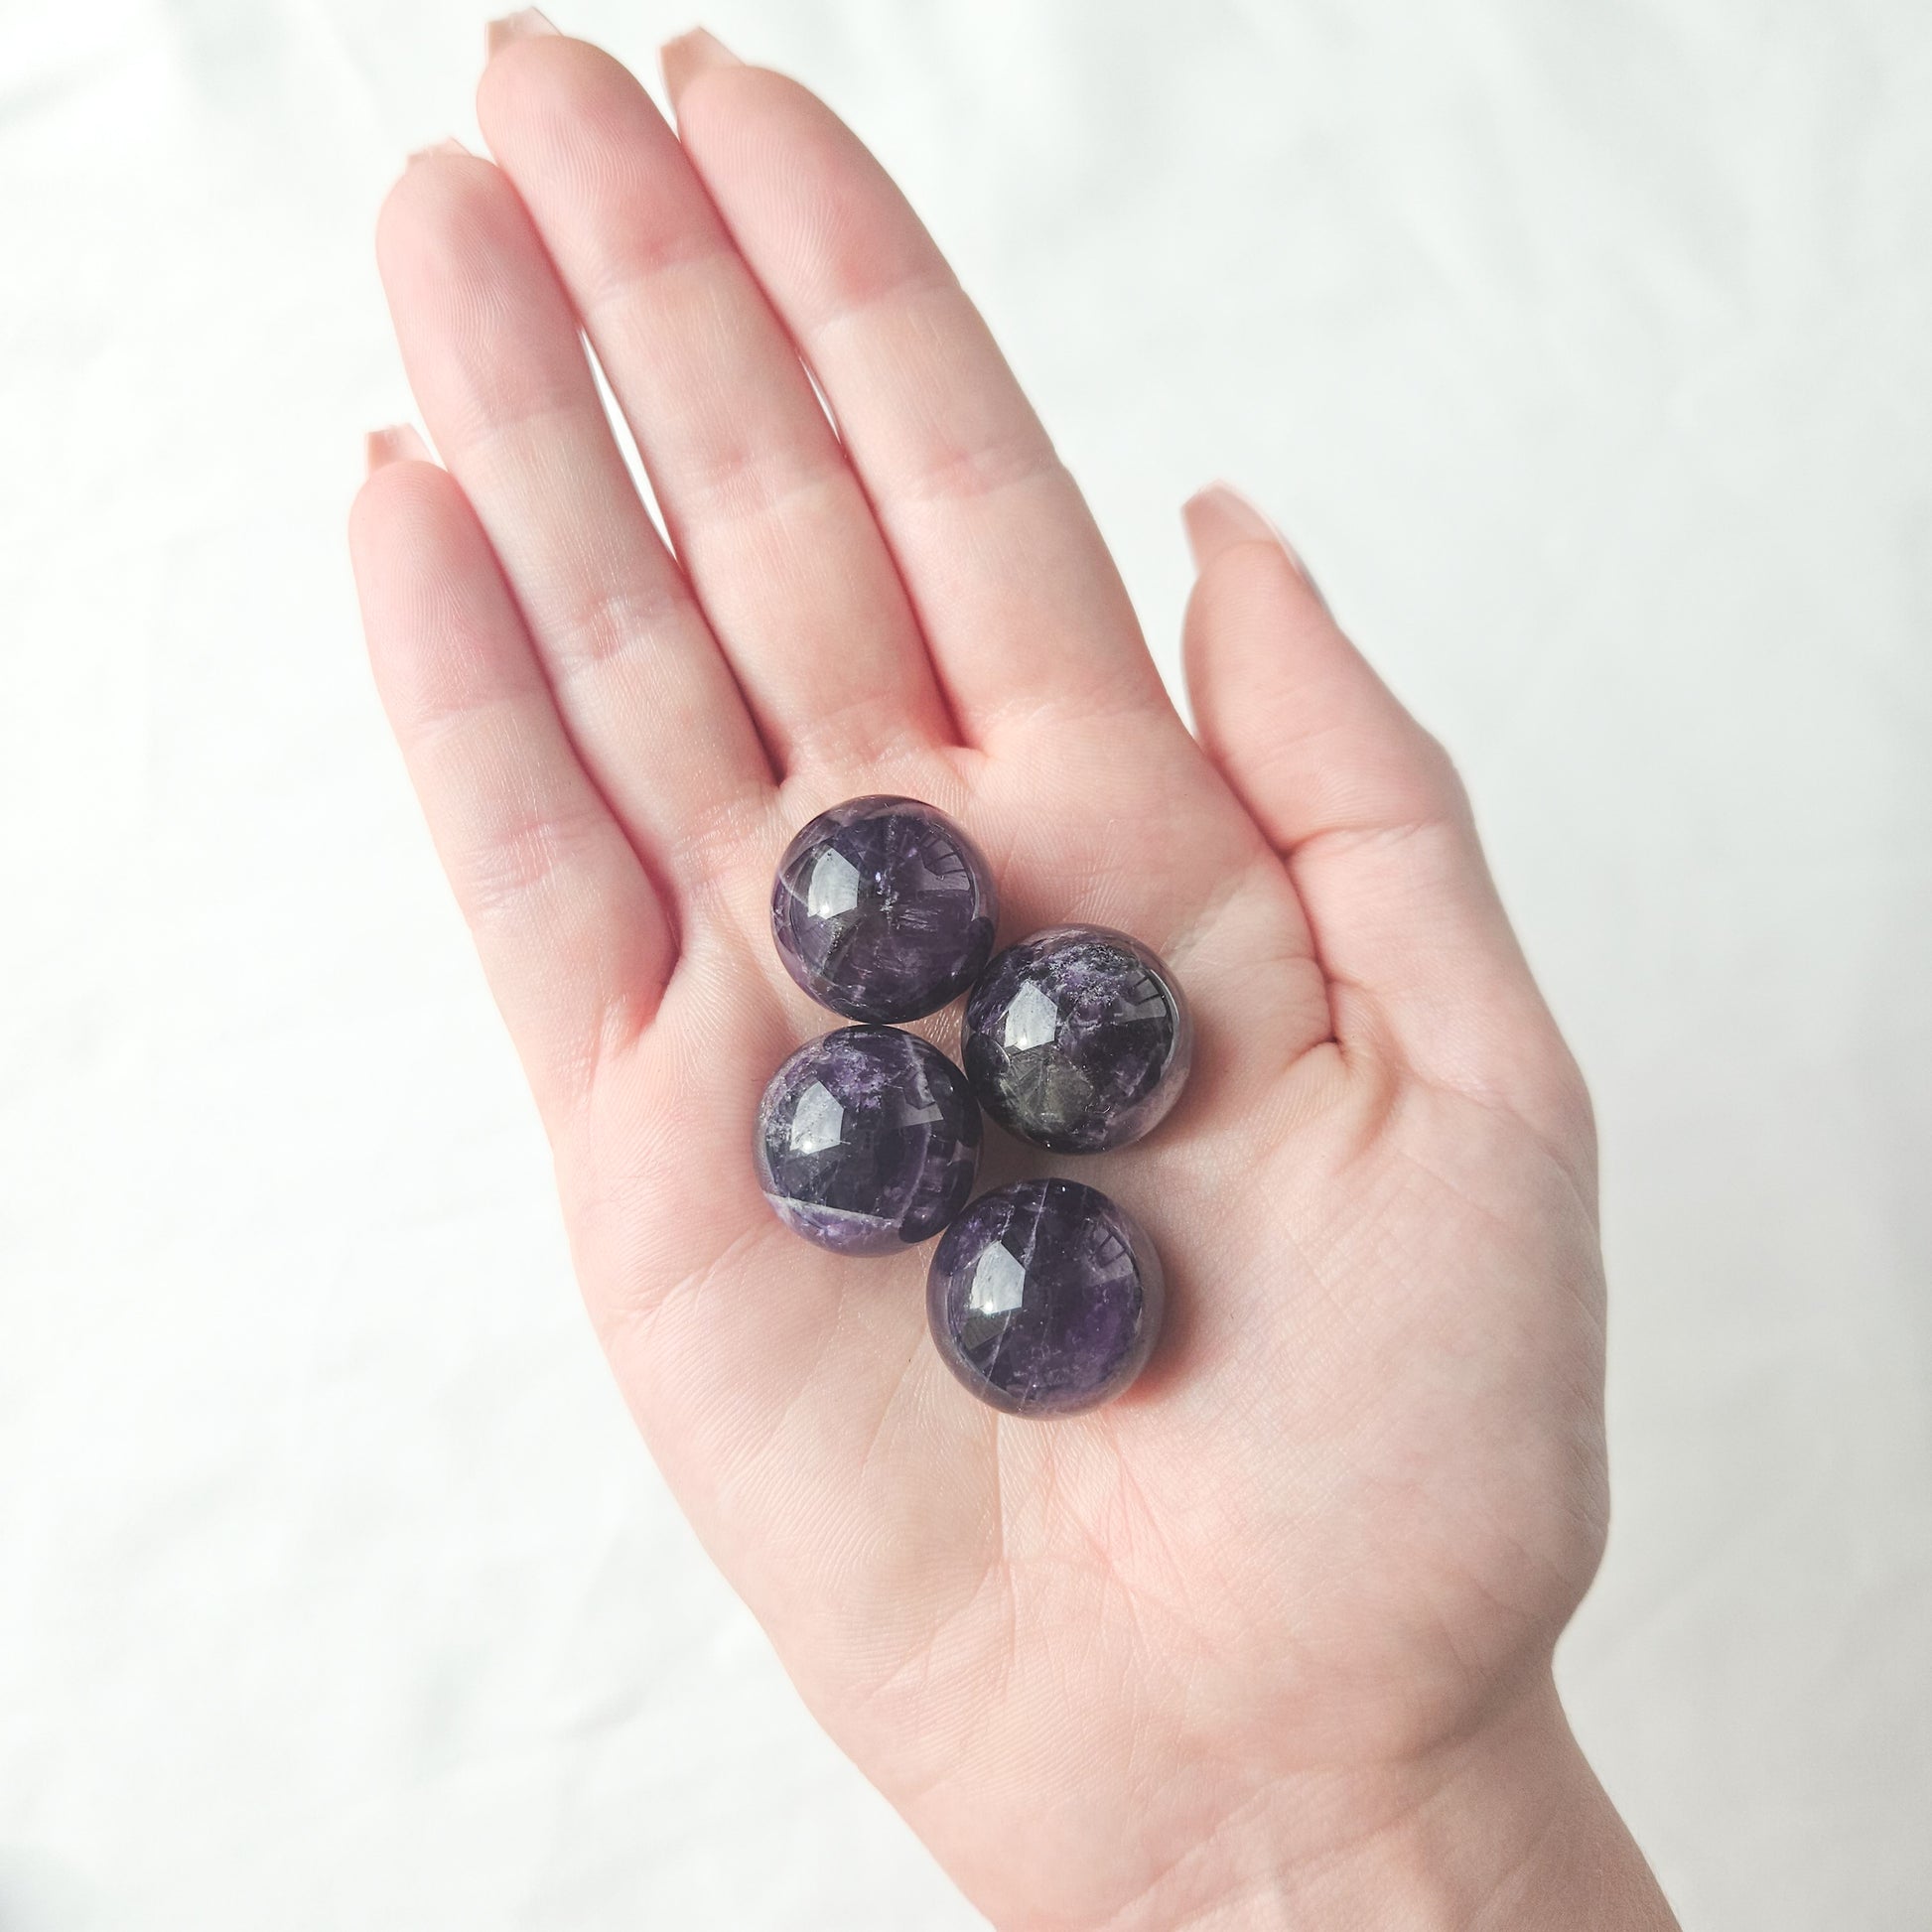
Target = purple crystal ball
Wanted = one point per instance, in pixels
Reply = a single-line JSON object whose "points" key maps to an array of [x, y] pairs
{"points": [[868, 1140], [1045, 1298], [1078, 1040], [884, 910]]}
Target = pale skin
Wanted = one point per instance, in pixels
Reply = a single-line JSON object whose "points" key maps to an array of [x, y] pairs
{"points": [[1267, 1642]]}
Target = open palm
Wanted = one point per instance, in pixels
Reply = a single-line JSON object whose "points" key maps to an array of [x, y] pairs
{"points": [[1113, 1669]]}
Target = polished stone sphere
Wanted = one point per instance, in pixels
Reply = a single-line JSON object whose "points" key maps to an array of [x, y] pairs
{"points": [[884, 910], [1078, 1040], [868, 1140], [1045, 1298]]}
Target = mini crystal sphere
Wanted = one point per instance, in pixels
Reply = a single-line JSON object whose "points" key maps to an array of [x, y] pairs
{"points": [[1078, 1040], [868, 1140], [1045, 1298], [884, 910]]}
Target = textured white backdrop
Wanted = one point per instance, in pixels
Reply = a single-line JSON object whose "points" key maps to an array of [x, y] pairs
{"points": [[1587, 352]]}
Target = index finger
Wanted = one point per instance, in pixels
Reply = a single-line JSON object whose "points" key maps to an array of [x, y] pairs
{"points": [[1022, 606]]}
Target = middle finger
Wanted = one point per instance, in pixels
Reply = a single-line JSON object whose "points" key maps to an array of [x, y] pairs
{"points": [[766, 514]]}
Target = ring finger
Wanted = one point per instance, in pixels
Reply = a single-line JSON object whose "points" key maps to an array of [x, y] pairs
{"points": [[493, 354]]}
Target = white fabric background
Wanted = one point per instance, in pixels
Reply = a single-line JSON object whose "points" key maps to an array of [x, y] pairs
{"points": [[1587, 352]]}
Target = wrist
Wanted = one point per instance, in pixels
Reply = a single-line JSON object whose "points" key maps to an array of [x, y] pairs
{"points": [[1505, 1830]]}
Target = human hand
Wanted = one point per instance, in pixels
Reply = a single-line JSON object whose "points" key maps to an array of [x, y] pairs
{"points": [[1268, 1640]]}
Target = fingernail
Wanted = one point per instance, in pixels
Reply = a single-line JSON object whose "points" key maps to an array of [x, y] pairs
{"points": [[690, 54], [399, 443], [528, 25], [1219, 516], [448, 145]]}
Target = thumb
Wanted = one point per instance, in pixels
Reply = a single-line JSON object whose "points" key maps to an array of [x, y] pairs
{"points": [[1370, 820]]}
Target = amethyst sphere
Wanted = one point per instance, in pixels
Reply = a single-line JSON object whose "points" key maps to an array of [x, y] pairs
{"points": [[868, 1140], [1078, 1040], [1045, 1298], [884, 910]]}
